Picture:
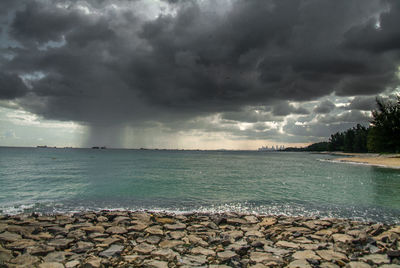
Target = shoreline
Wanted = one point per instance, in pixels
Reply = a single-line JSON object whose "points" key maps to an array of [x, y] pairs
{"points": [[371, 159], [385, 161], [158, 239]]}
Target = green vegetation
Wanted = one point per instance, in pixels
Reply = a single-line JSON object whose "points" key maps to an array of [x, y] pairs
{"points": [[382, 136], [353, 140]]}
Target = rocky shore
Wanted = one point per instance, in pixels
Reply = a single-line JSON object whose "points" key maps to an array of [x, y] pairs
{"points": [[144, 239]]}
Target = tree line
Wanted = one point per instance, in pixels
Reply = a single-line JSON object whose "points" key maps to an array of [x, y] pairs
{"points": [[381, 136]]}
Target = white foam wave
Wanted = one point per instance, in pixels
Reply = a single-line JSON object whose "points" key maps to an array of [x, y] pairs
{"points": [[356, 163]]}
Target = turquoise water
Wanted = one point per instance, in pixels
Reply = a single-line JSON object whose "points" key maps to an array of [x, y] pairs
{"points": [[64, 180]]}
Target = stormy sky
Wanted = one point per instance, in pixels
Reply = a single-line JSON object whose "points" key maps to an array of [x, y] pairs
{"points": [[205, 74]]}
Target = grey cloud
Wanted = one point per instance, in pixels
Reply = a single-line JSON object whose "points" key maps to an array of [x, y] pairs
{"points": [[353, 117], [362, 103], [41, 23], [115, 66], [324, 107], [284, 108], [11, 86], [375, 39], [319, 131], [251, 115]]}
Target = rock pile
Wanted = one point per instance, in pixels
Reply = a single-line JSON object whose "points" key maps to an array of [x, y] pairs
{"points": [[143, 239]]}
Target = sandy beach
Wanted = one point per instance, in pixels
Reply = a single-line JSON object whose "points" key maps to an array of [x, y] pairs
{"points": [[389, 160], [161, 240]]}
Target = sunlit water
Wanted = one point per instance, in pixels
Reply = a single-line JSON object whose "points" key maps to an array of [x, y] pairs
{"points": [[65, 180]]}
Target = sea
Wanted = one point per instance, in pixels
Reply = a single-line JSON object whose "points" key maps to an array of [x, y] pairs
{"points": [[50, 180]]}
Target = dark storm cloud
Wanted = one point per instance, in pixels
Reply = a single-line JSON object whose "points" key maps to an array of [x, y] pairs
{"points": [[362, 103], [285, 108], [324, 107], [105, 62], [11, 86], [378, 36], [347, 117], [41, 23]]}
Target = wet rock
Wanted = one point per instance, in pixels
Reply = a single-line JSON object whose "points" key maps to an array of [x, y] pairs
{"points": [[76, 234], [82, 247], [55, 257], [268, 221], [93, 229], [235, 235], [257, 244], [342, 238], [175, 227], [276, 251], [21, 244], [299, 264], [60, 243], [286, 244], [328, 265], [236, 221], [177, 234], [154, 230], [251, 219], [112, 251], [5, 255], [155, 264], [9, 237], [306, 254], [137, 227], [192, 260], [40, 250], [377, 259], [121, 219], [254, 233], [395, 229], [116, 230], [51, 265], [240, 249], [202, 251], [109, 240], [72, 264], [22, 230], [331, 255], [93, 262], [263, 257], [357, 264], [25, 259], [102, 219], [226, 255], [393, 253], [211, 225], [44, 236], [3, 227], [55, 230], [144, 248], [164, 220], [153, 239], [170, 243], [166, 254], [131, 258], [195, 240]]}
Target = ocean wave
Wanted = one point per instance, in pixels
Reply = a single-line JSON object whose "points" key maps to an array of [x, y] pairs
{"points": [[356, 163], [292, 210]]}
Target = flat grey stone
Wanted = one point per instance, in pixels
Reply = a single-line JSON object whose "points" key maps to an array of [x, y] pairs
{"points": [[112, 251]]}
